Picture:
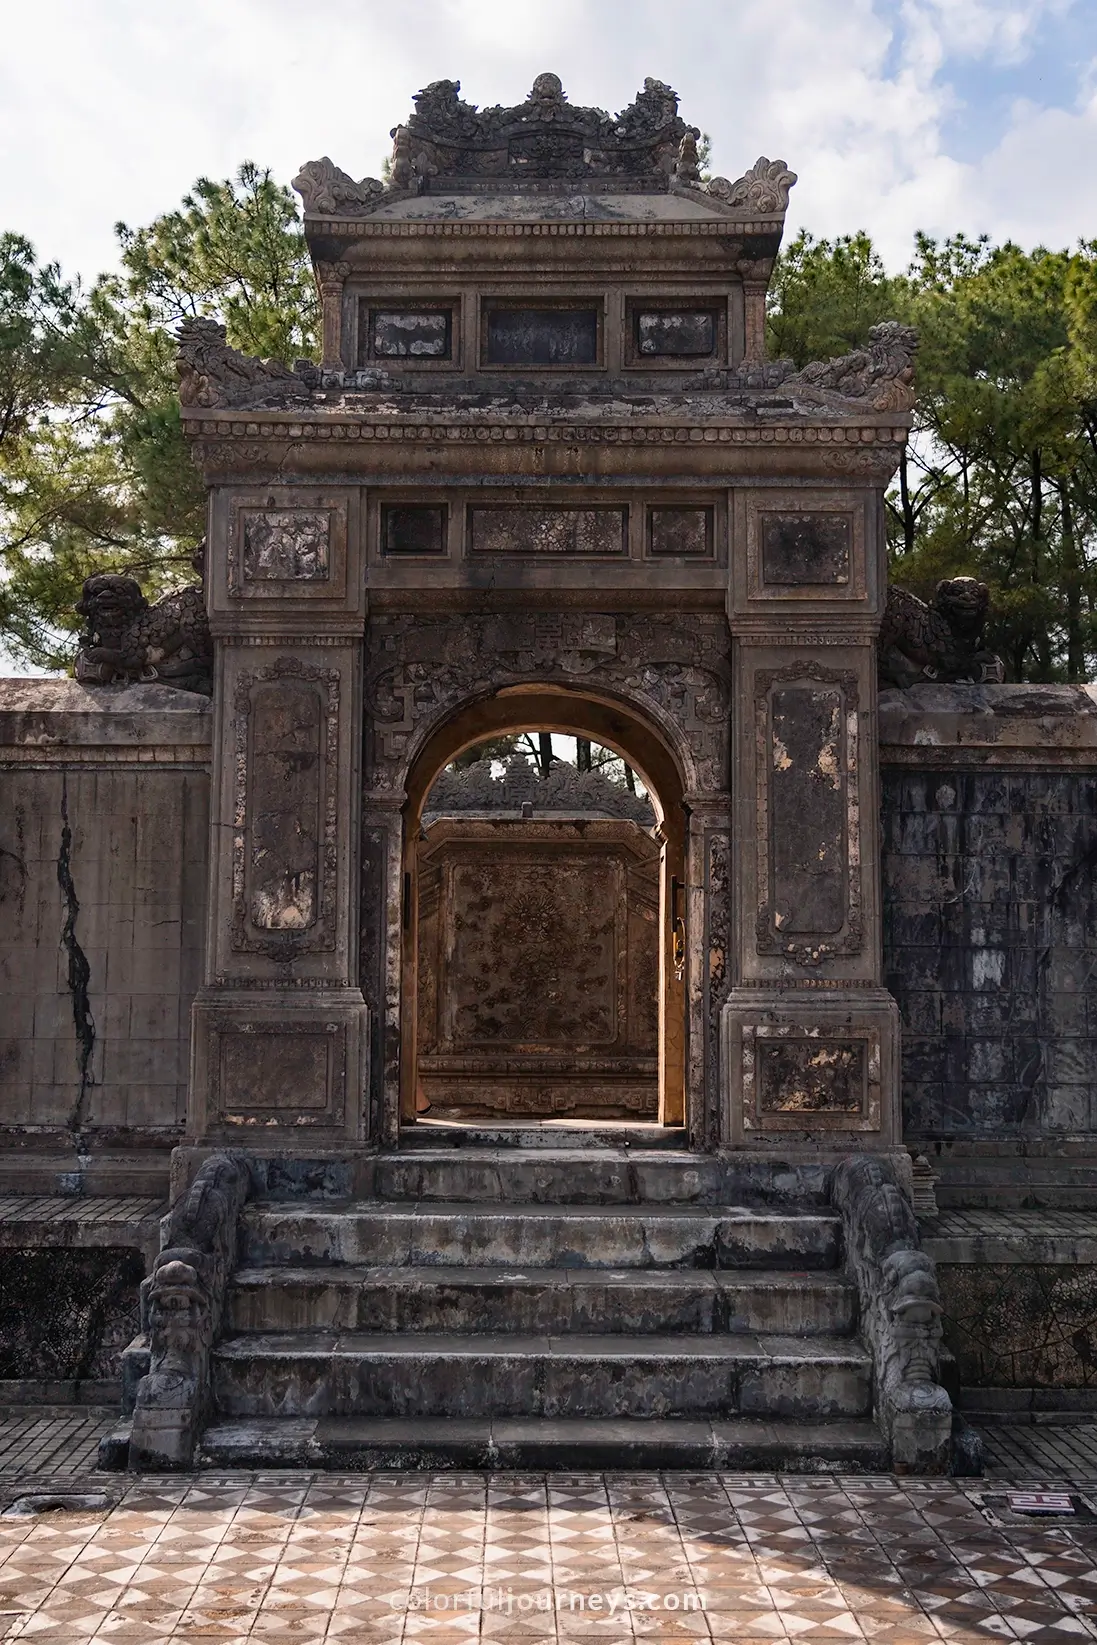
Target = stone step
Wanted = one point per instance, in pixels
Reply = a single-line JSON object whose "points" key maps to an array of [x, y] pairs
{"points": [[585, 1176], [538, 1237], [350, 1374], [358, 1445], [540, 1300], [430, 1134]]}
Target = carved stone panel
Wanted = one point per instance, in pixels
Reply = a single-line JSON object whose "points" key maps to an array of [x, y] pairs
{"points": [[802, 549], [538, 967], [407, 334], [286, 726], [811, 1064], [517, 529], [285, 545], [284, 825], [412, 528], [284, 549], [680, 533], [539, 961], [557, 336], [675, 332], [811, 550], [809, 886], [795, 1078], [419, 668], [291, 1073]]}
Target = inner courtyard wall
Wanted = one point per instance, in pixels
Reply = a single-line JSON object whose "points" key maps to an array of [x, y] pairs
{"points": [[538, 967]]}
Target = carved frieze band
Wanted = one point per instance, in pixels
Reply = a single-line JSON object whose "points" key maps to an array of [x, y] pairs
{"points": [[809, 852], [853, 447], [285, 813], [718, 228], [419, 668]]}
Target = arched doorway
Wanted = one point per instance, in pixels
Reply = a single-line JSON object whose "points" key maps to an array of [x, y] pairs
{"points": [[617, 727]]}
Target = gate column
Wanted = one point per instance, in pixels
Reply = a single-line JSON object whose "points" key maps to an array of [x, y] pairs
{"points": [[279, 1030], [809, 1035]]}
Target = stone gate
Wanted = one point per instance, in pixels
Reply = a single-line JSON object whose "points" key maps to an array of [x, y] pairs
{"points": [[545, 478], [545, 475]]}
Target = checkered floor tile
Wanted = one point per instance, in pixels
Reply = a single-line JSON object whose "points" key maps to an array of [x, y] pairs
{"points": [[441, 1558], [389, 1559]]}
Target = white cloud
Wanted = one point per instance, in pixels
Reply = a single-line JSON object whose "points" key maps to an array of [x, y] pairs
{"points": [[110, 110], [999, 29], [1039, 185]]}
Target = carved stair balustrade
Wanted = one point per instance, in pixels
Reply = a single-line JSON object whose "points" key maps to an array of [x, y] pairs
{"points": [[181, 1306], [900, 1312]]}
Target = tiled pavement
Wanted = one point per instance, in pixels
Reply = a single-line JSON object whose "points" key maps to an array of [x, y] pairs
{"points": [[397, 1558]]}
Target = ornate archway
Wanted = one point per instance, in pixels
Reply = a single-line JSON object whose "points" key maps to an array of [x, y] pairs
{"points": [[630, 733]]}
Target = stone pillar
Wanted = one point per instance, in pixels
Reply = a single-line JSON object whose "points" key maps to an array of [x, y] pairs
{"points": [[279, 1042], [754, 321], [331, 278], [809, 1034]]}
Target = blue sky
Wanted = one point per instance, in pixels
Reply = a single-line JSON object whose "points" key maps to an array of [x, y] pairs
{"points": [[978, 115]]}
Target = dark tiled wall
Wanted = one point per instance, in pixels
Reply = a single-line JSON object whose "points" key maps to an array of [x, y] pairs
{"points": [[990, 947]]}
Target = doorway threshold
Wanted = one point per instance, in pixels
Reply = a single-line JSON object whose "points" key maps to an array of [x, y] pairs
{"points": [[430, 1132]]}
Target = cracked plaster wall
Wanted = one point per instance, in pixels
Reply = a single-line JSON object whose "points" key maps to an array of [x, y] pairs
{"points": [[103, 853], [102, 899]]}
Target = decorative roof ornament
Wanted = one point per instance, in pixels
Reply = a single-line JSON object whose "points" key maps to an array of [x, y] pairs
{"points": [[882, 373], [519, 785], [447, 143], [546, 136], [687, 168], [329, 192], [764, 188], [213, 374]]}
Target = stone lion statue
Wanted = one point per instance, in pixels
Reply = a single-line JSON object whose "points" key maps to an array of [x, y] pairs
{"points": [[942, 642], [125, 638]]}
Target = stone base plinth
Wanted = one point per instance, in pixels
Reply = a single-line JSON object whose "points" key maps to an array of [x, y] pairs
{"points": [[265, 1066], [811, 1068]]}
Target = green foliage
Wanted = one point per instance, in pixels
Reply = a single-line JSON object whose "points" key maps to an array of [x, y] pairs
{"points": [[94, 472], [1000, 478], [235, 251], [824, 296]]}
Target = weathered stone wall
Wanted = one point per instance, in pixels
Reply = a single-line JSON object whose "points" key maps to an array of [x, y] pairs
{"points": [[1019, 1291], [66, 1316], [104, 808], [990, 932]]}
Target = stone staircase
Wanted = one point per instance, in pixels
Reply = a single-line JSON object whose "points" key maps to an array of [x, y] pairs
{"points": [[544, 1305]]}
